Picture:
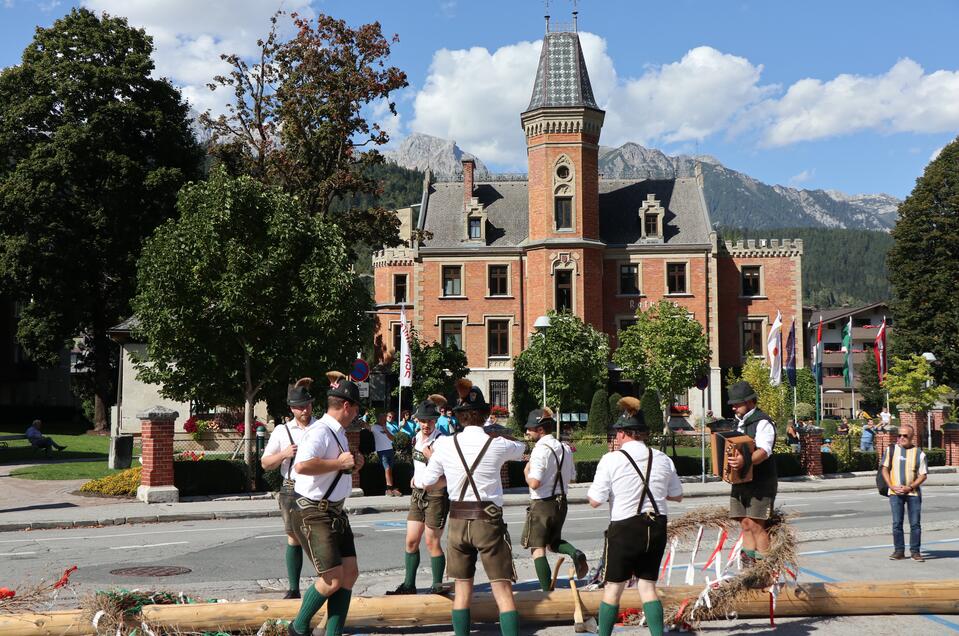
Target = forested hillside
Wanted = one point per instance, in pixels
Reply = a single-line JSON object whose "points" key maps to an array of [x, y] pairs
{"points": [[838, 266]]}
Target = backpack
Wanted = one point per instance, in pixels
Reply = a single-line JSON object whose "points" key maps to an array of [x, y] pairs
{"points": [[881, 484]]}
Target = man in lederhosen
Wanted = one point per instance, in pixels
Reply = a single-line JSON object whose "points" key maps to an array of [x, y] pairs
{"points": [[548, 473], [323, 466], [279, 452], [471, 462], [637, 481], [428, 510], [751, 503]]}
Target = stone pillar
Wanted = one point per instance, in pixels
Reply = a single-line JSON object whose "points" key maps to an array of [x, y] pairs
{"points": [[156, 480], [810, 451], [950, 441], [353, 441], [884, 439], [916, 419]]}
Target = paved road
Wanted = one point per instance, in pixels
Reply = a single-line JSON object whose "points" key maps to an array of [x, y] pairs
{"points": [[843, 533]]}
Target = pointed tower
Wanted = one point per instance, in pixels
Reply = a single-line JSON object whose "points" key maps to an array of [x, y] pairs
{"points": [[562, 126]]}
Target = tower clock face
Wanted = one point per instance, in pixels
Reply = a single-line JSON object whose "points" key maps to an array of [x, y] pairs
{"points": [[562, 172]]}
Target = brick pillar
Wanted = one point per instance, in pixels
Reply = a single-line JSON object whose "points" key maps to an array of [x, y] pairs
{"points": [[353, 440], [884, 439], [810, 451], [156, 480], [950, 441], [916, 419], [504, 475]]}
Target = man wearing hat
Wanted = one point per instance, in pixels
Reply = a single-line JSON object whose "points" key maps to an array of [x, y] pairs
{"points": [[548, 473], [322, 483], [279, 453], [751, 503], [637, 481], [471, 462], [428, 510]]}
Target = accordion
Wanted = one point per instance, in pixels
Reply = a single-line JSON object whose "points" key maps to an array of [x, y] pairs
{"points": [[727, 444]]}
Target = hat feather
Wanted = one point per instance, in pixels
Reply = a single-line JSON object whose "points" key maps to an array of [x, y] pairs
{"points": [[335, 376], [464, 383], [303, 382], [438, 400], [629, 404], [547, 412]]}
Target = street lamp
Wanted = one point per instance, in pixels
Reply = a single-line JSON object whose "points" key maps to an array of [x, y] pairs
{"points": [[930, 358], [541, 325]]}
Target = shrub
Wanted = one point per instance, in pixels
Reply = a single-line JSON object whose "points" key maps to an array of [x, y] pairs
{"points": [[787, 465], [688, 466], [804, 410], [935, 457], [122, 484], [516, 478], [830, 464], [211, 477], [586, 470], [599, 413], [614, 411], [272, 480]]}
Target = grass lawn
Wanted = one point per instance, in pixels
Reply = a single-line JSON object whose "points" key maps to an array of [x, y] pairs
{"points": [[79, 446], [588, 452], [68, 470]]}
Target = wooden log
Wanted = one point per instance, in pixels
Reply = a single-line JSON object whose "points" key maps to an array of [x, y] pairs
{"points": [[807, 599]]}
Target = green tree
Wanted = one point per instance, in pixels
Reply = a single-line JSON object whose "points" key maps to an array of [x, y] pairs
{"points": [[599, 415], [436, 368], [227, 316], [924, 266], [776, 401], [806, 388], [665, 351], [614, 411], [873, 394], [297, 120], [805, 410], [574, 356], [94, 151], [911, 384]]}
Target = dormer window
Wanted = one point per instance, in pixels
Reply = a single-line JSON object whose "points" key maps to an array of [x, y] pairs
{"points": [[652, 224], [475, 221], [475, 228], [651, 215]]}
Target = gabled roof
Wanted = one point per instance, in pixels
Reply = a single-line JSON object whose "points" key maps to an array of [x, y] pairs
{"points": [[561, 78], [832, 315]]}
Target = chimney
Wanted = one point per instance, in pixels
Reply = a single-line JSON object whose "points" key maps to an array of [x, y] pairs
{"points": [[468, 167]]}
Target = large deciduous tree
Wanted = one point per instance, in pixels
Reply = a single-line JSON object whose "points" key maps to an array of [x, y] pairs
{"points": [[298, 119], [229, 317], [436, 368], [665, 351], [924, 267], [574, 356], [911, 385], [93, 152]]}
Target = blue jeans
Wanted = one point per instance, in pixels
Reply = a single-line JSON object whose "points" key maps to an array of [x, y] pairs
{"points": [[899, 504]]}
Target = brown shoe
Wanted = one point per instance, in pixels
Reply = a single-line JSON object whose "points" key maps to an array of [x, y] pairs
{"points": [[897, 556], [918, 557]]}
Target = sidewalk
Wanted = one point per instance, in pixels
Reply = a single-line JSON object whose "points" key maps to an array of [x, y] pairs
{"points": [[18, 511]]}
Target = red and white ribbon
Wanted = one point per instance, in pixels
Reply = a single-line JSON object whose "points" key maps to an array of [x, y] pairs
{"points": [[717, 556], [691, 568], [670, 558], [734, 554]]}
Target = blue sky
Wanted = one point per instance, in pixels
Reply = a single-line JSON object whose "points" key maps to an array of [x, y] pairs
{"points": [[850, 95]]}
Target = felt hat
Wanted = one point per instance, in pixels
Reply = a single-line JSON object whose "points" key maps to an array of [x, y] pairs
{"points": [[429, 409], [299, 393], [635, 422], [539, 417], [741, 392], [342, 387]]}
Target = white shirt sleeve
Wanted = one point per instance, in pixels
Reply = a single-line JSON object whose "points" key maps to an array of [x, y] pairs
{"points": [[513, 451], [274, 445], [599, 490], [434, 469], [538, 460], [765, 436], [923, 468], [675, 486], [314, 444]]}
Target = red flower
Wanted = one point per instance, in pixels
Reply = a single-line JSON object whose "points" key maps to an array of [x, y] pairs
{"points": [[190, 425]]}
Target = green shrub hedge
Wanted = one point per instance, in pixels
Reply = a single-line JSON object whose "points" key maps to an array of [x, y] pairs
{"points": [[787, 465], [211, 477], [935, 457], [829, 463]]}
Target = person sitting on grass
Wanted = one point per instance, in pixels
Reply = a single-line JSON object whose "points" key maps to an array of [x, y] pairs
{"points": [[38, 440]]}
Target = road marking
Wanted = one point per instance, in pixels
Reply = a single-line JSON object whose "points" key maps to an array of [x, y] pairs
{"points": [[139, 534], [792, 505], [149, 545], [269, 536], [848, 501], [15, 553]]}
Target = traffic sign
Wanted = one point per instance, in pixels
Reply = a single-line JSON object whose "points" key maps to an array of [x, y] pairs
{"points": [[702, 382], [361, 370], [364, 388]]}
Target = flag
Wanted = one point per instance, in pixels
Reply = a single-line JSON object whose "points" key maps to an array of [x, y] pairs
{"points": [[847, 371], [791, 355], [817, 354], [774, 351], [406, 360], [879, 350]]}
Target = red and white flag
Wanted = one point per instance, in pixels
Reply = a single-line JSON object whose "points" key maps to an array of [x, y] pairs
{"points": [[406, 360], [774, 351], [879, 350]]}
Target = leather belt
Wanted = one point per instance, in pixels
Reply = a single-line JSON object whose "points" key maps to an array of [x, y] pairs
{"points": [[468, 510]]}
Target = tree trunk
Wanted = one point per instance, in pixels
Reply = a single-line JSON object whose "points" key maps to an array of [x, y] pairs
{"points": [[101, 376], [248, 395]]}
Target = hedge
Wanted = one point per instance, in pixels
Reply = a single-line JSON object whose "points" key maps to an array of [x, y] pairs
{"points": [[211, 477], [829, 463]]}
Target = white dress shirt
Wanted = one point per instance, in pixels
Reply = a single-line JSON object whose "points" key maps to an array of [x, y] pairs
{"points": [[320, 442], [542, 466], [420, 443], [616, 480], [280, 441], [765, 433], [446, 461], [380, 438]]}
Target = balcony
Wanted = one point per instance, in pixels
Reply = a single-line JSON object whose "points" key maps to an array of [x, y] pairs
{"points": [[836, 358], [833, 383]]}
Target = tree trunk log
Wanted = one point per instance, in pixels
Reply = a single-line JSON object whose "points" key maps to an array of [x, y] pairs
{"points": [[807, 599]]}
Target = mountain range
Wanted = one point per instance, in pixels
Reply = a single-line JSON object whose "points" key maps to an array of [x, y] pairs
{"points": [[735, 199]]}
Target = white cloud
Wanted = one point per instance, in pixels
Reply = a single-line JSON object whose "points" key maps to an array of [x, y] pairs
{"points": [[935, 154], [190, 36], [904, 99], [802, 177]]}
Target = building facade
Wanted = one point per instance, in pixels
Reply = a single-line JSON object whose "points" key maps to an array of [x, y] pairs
{"points": [[501, 253]]}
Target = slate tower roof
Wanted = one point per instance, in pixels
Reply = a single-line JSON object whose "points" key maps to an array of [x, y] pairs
{"points": [[561, 79]]}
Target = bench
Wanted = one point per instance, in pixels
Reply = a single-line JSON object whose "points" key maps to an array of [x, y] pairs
{"points": [[9, 438]]}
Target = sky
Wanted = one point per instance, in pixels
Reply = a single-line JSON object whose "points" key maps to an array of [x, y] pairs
{"points": [[856, 95]]}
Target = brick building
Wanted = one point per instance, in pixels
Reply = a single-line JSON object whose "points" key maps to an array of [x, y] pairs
{"points": [[504, 252]]}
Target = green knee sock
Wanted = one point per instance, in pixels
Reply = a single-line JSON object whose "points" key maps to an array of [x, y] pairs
{"points": [[312, 602], [294, 565], [336, 611], [607, 618], [543, 573], [567, 548], [412, 563], [654, 617], [509, 623], [461, 622], [438, 566]]}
